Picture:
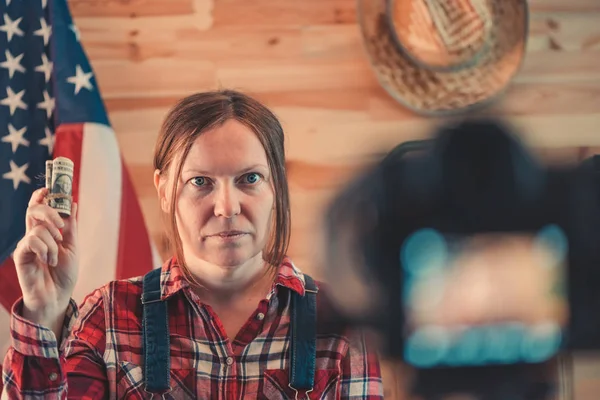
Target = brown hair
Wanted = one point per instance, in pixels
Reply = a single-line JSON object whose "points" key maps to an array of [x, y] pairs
{"points": [[200, 112]]}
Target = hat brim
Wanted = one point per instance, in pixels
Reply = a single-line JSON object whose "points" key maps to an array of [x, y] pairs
{"points": [[432, 92]]}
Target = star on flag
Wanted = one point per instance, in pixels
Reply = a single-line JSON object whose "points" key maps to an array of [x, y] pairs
{"points": [[17, 174], [14, 100], [45, 31], [45, 67], [11, 27], [12, 63], [81, 79], [15, 137], [48, 140], [47, 104]]}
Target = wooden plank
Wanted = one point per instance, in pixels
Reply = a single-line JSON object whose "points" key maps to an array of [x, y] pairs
{"points": [[548, 98], [131, 103], [287, 76], [132, 8], [275, 12], [558, 130], [157, 77], [571, 6], [587, 365], [520, 98], [349, 99], [186, 42], [564, 32], [142, 178], [315, 176], [556, 66], [342, 42], [363, 140], [357, 100], [187, 38], [287, 59], [585, 375], [113, 26], [283, 13], [546, 67], [389, 374], [138, 148]]}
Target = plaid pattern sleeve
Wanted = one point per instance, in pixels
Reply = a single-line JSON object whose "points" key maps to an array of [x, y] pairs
{"points": [[35, 366]]}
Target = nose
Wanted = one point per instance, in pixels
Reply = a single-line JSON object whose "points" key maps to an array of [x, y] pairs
{"points": [[227, 202]]}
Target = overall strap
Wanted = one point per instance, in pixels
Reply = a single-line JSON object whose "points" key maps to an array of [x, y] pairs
{"points": [[303, 338], [155, 333]]}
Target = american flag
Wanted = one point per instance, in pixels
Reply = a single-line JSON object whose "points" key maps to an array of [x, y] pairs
{"points": [[50, 106]]}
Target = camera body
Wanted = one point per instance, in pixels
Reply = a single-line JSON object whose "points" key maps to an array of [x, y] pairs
{"points": [[481, 265]]}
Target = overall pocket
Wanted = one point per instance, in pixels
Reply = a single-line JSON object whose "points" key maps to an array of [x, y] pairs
{"points": [[276, 385], [130, 383]]}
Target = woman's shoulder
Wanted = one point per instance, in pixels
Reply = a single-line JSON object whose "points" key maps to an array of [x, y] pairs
{"points": [[117, 293], [130, 285], [133, 286], [329, 318]]}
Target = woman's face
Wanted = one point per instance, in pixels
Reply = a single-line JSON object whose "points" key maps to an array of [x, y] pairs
{"points": [[226, 198]]}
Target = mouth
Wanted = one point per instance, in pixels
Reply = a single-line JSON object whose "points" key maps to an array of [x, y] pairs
{"points": [[229, 234]]}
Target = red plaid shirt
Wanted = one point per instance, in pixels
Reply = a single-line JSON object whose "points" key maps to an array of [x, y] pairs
{"points": [[102, 355]]}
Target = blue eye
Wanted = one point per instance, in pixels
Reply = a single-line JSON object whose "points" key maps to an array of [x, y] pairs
{"points": [[198, 181], [252, 178]]}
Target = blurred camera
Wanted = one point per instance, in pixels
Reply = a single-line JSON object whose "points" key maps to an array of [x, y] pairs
{"points": [[476, 264]]}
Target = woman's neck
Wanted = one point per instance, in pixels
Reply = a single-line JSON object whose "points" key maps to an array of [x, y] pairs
{"points": [[224, 285]]}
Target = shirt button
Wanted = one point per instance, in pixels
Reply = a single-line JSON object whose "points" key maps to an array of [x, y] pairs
{"points": [[229, 360], [260, 316], [53, 376]]}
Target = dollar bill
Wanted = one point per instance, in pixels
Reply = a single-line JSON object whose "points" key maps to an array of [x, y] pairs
{"points": [[62, 185], [49, 175]]}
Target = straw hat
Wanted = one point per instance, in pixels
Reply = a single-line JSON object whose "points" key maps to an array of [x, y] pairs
{"points": [[444, 56]]}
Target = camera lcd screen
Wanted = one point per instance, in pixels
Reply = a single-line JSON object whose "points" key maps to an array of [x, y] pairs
{"points": [[484, 299]]}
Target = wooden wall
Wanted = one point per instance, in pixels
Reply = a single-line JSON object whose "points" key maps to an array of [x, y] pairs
{"points": [[305, 60]]}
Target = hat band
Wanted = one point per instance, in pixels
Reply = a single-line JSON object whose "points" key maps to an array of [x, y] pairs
{"points": [[482, 8]]}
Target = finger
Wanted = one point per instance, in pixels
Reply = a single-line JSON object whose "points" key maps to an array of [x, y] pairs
{"points": [[38, 196], [35, 245], [70, 229], [44, 235], [43, 213], [53, 229]]}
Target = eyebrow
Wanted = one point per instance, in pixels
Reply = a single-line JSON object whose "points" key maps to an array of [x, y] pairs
{"points": [[239, 172]]}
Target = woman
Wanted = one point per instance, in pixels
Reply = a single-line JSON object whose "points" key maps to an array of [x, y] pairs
{"points": [[214, 322]]}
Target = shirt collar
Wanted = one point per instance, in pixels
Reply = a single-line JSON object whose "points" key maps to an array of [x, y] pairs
{"points": [[173, 280]]}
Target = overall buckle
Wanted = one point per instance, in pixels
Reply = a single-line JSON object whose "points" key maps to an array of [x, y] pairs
{"points": [[296, 392]]}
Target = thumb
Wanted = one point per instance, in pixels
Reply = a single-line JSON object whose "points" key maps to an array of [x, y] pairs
{"points": [[69, 231]]}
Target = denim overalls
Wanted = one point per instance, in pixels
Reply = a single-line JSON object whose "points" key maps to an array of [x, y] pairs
{"points": [[155, 333]]}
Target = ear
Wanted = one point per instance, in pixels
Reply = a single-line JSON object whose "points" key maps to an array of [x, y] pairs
{"points": [[160, 183]]}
